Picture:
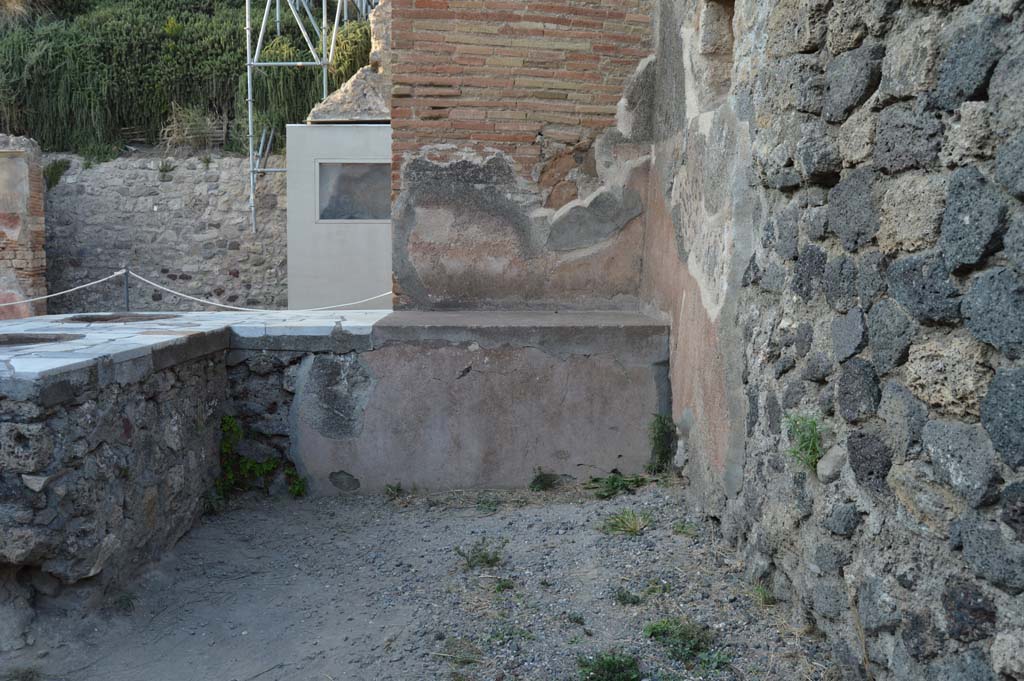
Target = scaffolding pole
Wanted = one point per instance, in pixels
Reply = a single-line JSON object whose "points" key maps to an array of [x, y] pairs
{"points": [[320, 58]]}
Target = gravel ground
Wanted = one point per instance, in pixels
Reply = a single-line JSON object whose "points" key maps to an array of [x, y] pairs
{"points": [[372, 588]]}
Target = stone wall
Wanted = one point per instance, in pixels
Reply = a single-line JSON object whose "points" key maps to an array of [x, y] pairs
{"points": [[187, 229], [834, 223], [495, 112], [101, 470], [22, 230]]}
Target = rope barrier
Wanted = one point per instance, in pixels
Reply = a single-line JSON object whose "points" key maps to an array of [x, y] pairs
{"points": [[155, 285], [62, 293], [252, 309]]}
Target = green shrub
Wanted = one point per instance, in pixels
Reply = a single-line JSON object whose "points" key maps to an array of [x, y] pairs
{"points": [[684, 640], [55, 170], [615, 484], [74, 79], [609, 666]]}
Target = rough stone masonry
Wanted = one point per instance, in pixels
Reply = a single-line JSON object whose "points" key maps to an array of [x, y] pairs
{"points": [[825, 198]]}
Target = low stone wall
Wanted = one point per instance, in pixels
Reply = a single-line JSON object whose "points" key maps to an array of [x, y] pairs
{"points": [[187, 228], [101, 470]]}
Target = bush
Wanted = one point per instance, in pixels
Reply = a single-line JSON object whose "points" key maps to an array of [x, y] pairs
{"points": [[73, 81]]}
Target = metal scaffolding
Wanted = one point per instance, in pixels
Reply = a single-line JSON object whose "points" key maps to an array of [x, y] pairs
{"points": [[313, 33]]}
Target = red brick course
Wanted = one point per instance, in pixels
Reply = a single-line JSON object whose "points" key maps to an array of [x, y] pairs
{"points": [[526, 77]]}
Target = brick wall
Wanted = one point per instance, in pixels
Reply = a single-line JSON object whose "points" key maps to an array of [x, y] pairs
{"points": [[528, 78], [22, 227]]}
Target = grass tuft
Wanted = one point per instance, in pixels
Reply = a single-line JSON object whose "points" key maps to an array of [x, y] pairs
{"points": [[615, 484], [684, 640], [661, 433], [763, 595], [481, 554], [626, 522], [685, 528], [805, 437], [609, 666], [624, 596], [504, 584], [55, 170]]}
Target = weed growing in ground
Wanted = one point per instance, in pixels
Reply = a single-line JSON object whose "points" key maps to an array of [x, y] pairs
{"points": [[684, 640], [503, 584], [805, 437], [624, 596], [657, 587], [576, 618], [54, 170], [462, 652], [506, 632], [296, 483], [714, 660], [394, 491], [615, 484], [485, 503], [661, 433], [762, 595], [609, 666], [206, 160], [480, 554], [684, 528], [544, 480], [626, 522]]}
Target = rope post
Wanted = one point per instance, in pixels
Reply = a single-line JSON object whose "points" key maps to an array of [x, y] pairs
{"points": [[127, 297]]}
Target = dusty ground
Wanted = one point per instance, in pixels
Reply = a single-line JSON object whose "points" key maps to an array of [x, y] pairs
{"points": [[371, 588]]}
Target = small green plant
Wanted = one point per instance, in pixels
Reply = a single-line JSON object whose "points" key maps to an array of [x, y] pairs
{"points": [[685, 528], [762, 595], [296, 483], [615, 484], [87, 163], [714, 660], [504, 584], [55, 170], [684, 640], [576, 618], [624, 596], [506, 632], [481, 554], [206, 160], [462, 652], [609, 666], [661, 433], [394, 491], [166, 167], [656, 587], [626, 522], [486, 503], [544, 480], [805, 438]]}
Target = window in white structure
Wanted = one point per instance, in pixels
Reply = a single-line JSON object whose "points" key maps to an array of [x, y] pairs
{"points": [[353, 191]]}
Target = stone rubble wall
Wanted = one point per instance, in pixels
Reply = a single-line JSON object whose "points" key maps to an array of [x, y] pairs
{"points": [[835, 225], [187, 229], [100, 472], [22, 230]]}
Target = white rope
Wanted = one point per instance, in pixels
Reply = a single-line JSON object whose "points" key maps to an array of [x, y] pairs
{"points": [[64, 293], [252, 309]]}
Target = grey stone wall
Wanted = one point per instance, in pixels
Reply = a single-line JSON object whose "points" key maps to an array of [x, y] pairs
{"points": [[100, 471], [187, 229], [837, 231]]}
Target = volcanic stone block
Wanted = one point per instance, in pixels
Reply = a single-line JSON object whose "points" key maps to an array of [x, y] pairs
{"points": [[840, 282], [949, 373], [851, 209], [1013, 509], [974, 219], [910, 211], [966, 64], [1010, 165], [910, 57], [858, 392], [904, 415], [994, 310], [1004, 91], [871, 270], [1003, 417], [890, 332], [870, 459], [970, 614], [817, 157], [877, 608], [843, 519], [991, 556], [810, 265], [848, 334], [1013, 242], [922, 285], [849, 81], [906, 138], [963, 458], [971, 665]]}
